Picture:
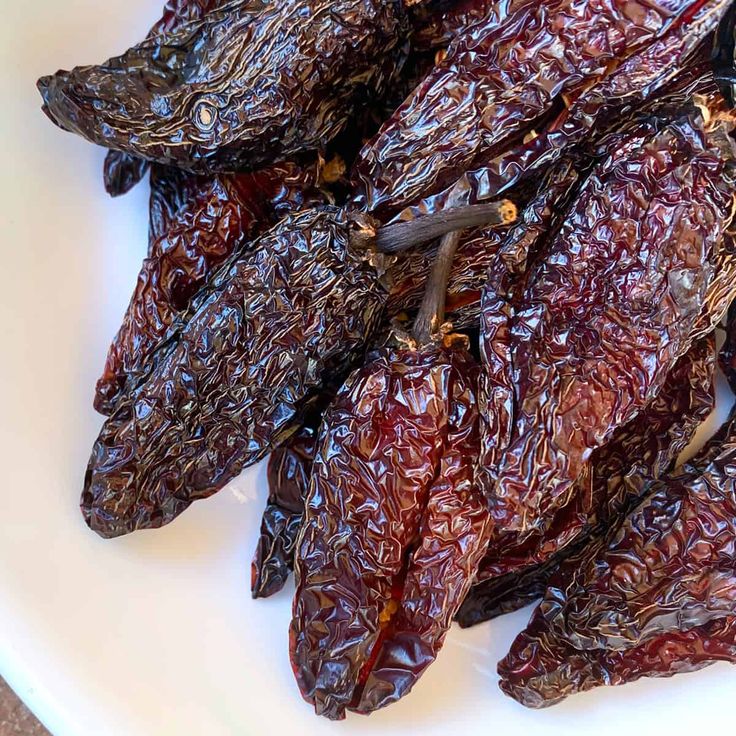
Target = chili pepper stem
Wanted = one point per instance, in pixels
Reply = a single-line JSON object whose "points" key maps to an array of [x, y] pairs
{"points": [[432, 310], [400, 236]]}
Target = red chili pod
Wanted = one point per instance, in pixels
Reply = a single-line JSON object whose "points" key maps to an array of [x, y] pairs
{"points": [[497, 109], [216, 217], [654, 599], [643, 450], [283, 81], [394, 526], [617, 297]]}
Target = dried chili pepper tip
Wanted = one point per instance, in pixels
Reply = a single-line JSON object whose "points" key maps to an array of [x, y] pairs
{"points": [[214, 118]]}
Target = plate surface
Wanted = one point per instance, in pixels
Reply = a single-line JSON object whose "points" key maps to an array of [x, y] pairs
{"points": [[156, 634]]}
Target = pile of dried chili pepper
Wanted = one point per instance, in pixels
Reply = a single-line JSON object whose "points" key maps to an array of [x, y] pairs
{"points": [[458, 267]]}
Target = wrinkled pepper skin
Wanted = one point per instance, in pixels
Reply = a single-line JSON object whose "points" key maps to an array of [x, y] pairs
{"points": [[122, 171], [497, 108], [218, 216], [249, 84], [436, 24], [656, 599], [229, 386], [171, 189], [643, 450], [478, 250], [289, 469], [630, 266], [394, 528]]}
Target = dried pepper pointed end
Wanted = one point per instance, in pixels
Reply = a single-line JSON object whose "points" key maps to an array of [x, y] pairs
{"points": [[173, 100], [654, 599], [122, 172], [232, 382], [289, 468]]}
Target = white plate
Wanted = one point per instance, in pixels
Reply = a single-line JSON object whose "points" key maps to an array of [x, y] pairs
{"points": [[156, 634]]}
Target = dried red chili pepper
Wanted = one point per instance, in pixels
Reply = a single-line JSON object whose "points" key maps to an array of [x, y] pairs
{"points": [[231, 382], [631, 266], [122, 171], [645, 449], [394, 526], [289, 468], [220, 215], [486, 97], [258, 342], [727, 356], [248, 84], [655, 599]]}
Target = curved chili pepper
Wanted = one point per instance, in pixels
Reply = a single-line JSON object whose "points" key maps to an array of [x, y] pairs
{"points": [[226, 387], [655, 599], [645, 449], [394, 526], [247, 85], [221, 214], [490, 114], [629, 267], [256, 345]]}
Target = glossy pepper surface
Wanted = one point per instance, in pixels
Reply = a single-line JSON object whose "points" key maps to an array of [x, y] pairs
{"points": [[122, 171], [393, 529], [519, 87], [247, 85], [631, 266], [230, 384], [643, 450], [215, 217], [289, 468], [655, 599]]}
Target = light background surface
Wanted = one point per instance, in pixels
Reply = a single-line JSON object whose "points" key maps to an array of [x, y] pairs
{"points": [[156, 634]]}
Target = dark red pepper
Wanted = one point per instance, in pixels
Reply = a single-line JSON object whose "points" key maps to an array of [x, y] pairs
{"points": [[643, 450], [245, 86], [495, 111], [231, 382], [216, 217], [631, 266], [289, 468]]}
